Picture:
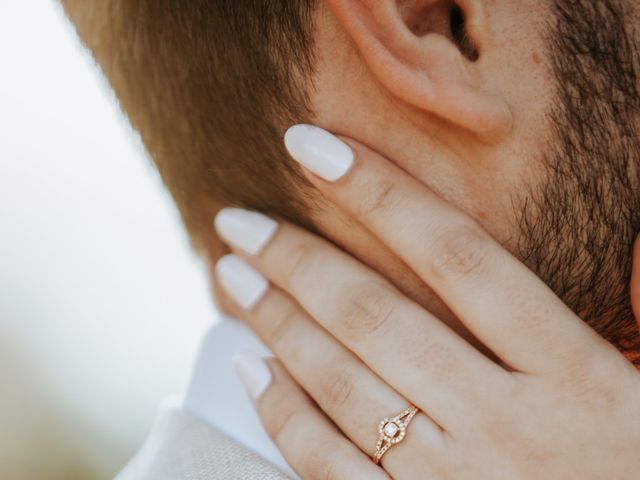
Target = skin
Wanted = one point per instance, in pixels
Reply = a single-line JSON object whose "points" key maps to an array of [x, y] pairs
{"points": [[518, 386], [557, 402], [484, 136], [511, 382], [534, 136], [353, 96]]}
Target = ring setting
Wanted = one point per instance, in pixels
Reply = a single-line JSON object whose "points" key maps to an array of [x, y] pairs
{"points": [[392, 430]]}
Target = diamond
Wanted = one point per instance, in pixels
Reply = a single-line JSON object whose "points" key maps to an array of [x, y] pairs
{"points": [[391, 429]]}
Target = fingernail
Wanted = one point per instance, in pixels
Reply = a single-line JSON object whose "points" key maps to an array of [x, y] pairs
{"points": [[249, 231], [241, 281], [253, 372], [320, 151]]}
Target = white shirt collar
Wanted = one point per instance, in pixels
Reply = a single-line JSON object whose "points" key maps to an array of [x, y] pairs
{"points": [[216, 395]]}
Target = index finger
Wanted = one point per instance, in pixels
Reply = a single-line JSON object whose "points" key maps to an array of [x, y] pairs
{"points": [[500, 301]]}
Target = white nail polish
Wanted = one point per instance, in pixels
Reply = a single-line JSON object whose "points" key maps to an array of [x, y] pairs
{"points": [[318, 150], [249, 231], [253, 372], [241, 281]]}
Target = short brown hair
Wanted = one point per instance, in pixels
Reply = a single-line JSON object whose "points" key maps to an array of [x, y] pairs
{"points": [[211, 85]]}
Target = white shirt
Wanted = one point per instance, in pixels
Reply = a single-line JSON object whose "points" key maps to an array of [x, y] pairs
{"points": [[216, 395]]}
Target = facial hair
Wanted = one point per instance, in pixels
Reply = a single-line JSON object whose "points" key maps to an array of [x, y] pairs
{"points": [[577, 229]]}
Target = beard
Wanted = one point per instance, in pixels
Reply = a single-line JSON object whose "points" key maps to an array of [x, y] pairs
{"points": [[577, 229]]}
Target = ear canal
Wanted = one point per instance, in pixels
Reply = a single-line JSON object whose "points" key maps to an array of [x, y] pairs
{"points": [[460, 34], [444, 17]]}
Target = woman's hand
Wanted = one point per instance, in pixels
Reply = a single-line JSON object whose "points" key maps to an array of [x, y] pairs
{"points": [[562, 403]]}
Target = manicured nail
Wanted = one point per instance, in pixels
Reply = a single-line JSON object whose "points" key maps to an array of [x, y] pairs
{"points": [[320, 151], [247, 230], [241, 281], [253, 372]]}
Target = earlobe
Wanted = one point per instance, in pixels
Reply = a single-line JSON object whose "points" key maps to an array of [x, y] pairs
{"points": [[416, 51]]}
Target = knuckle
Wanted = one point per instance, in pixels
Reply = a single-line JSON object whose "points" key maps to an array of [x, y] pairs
{"points": [[586, 378], [297, 261], [462, 250], [329, 470], [517, 438], [321, 464], [443, 362], [280, 419], [280, 324], [338, 386], [379, 197], [505, 434], [366, 310]]}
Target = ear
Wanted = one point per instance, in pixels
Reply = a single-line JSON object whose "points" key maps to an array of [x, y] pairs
{"points": [[428, 54]]}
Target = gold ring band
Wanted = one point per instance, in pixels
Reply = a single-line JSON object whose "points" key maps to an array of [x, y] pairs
{"points": [[392, 431]]}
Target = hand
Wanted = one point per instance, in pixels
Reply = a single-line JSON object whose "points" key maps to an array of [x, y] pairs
{"points": [[561, 403]]}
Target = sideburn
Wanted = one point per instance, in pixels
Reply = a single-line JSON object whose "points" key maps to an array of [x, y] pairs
{"points": [[578, 228]]}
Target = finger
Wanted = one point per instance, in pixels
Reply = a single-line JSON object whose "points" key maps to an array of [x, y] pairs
{"points": [[372, 319], [502, 302], [312, 446], [342, 386]]}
